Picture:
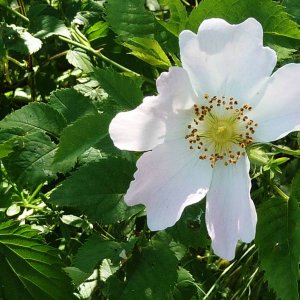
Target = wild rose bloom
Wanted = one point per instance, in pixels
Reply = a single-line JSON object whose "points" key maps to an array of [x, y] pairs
{"points": [[206, 113]]}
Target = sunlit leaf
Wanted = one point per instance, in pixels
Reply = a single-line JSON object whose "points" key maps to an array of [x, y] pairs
{"points": [[272, 16], [124, 90], [29, 268], [129, 18], [80, 136], [278, 242], [79, 59], [31, 161], [97, 31], [71, 104], [178, 16], [35, 117], [97, 190], [149, 51], [45, 22]]}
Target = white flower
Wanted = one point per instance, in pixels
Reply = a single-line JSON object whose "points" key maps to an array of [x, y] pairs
{"points": [[197, 127]]}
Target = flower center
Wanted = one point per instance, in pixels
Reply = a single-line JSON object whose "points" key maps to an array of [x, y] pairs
{"points": [[220, 130]]}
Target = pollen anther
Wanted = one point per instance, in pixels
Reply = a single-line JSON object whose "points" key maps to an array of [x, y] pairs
{"points": [[221, 128]]}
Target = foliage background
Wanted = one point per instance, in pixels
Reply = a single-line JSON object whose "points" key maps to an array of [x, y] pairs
{"points": [[67, 67]]}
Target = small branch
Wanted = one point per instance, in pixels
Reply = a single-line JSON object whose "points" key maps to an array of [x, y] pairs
{"points": [[16, 62], [17, 13], [104, 58]]}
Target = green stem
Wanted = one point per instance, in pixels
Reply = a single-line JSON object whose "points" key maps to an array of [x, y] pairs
{"points": [[281, 192], [16, 62], [17, 13], [226, 271], [36, 191], [103, 57], [186, 3]]}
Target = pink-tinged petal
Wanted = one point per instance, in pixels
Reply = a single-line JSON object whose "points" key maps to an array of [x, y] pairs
{"points": [[140, 129], [278, 112], [169, 178], [229, 60], [144, 128], [230, 212]]}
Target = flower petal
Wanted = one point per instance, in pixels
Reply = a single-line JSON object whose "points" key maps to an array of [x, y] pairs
{"points": [[227, 60], [144, 128], [168, 178], [230, 212], [278, 112]]}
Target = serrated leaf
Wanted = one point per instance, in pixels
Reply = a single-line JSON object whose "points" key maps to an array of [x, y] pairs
{"points": [[80, 136], [97, 190], [185, 287], [18, 39], [151, 274], [31, 162], [149, 51], [94, 250], [129, 18], [71, 104], [97, 31], [278, 242], [178, 16], [126, 91], [76, 275], [78, 58], [32, 43], [275, 20], [35, 117], [45, 22], [293, 8], [29, 268]]}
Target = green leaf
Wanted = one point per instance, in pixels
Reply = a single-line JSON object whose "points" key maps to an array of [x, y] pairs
{"points": [[185, 287], [278, 242], [29, 268], [3, 2], [79, 59], [5, 149], [129, 18], [97, 190], [151, 274], [124, 90], [293, 8], [36, 117], [275, 20], [76, 275], [45, 22], [97, 31], [71, 104], [94, 250], [190, 230], [80, 136], [31, 162], [149, 51], [19, 39], [178, 16]]}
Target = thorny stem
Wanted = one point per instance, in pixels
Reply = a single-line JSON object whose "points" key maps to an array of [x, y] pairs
{"points": [[103, 57]]}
